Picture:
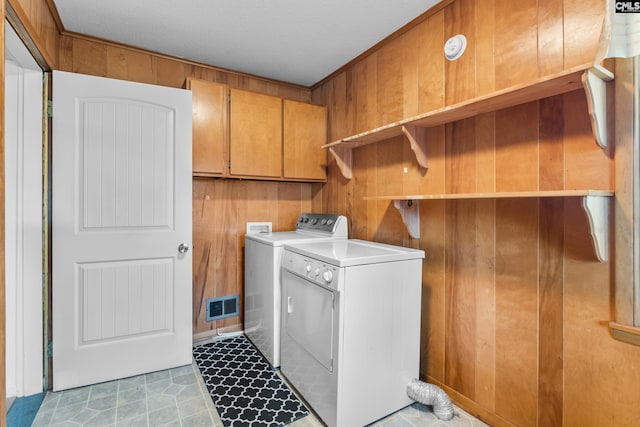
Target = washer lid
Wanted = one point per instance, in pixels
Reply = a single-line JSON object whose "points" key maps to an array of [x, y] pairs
{"points": [[282, 238], [344, 253]]}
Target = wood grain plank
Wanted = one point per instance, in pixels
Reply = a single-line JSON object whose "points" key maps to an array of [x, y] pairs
{"points": [[373, 215], [461, 303], [369, 102], [550, 313], [356, 94], [141, 67], [348, 117], [550, 36], [202, 253], [582, 22], [170, 73], [391, 230], [390, 68], [116, 63], [244, 209], [434, 181], [431, 63], [410, 61], [333, 97], [225, 246], [485, 152], [362, 215], [288, 205], [516, 381], [307, 192], [516, 42], [460, 75], [460, 156], [432, 330], [89, 58], [485, 362], [485, 47], [517, 148], [586, 165], [412, 173], [551, 149], [65, 58], [389, 167]]}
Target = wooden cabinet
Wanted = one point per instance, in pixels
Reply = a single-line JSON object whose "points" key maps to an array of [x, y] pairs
{"points": [[243, 134], [210, 130], [304, 134], [256, 135]]}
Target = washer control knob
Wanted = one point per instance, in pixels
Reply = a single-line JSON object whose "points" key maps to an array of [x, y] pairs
{"points": [[317, 271], [308, 268], [327, 276]]}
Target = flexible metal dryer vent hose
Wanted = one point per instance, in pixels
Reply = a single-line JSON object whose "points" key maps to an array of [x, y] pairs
{"points": [[432, 395]]}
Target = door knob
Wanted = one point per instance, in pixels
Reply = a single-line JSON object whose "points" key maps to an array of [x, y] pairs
{"points": [[183, 248]]}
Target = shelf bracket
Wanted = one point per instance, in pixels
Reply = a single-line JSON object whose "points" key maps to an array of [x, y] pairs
{"points": [[417, 137], [597, 210], [410, 212], [343, 160], [595, 81]]}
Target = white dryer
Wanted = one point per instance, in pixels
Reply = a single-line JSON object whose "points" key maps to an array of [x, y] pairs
{"points": [[351, 327], [262, 259]]}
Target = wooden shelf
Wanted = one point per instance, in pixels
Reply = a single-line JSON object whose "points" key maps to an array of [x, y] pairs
{"points": [[497, 195], [589, 77], [594, 202]]}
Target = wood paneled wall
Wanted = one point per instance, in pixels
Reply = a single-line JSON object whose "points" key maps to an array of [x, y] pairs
{"points": [[79, 54], [221, 209], [515, 303], [508, 43]]}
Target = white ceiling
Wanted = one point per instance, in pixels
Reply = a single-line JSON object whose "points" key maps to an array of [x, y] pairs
{"points": [[297, 41]]}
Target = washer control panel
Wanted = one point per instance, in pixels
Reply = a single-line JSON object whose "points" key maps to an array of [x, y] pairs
{"points": [[335, 225], [315, 271]]}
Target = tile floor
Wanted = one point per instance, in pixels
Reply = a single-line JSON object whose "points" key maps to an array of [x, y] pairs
{"points": [[178, 397]]}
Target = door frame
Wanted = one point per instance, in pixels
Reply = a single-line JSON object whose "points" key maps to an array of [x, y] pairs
{"points": [[25, 197]]}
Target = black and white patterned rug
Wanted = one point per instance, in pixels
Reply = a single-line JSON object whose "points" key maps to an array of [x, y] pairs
{"points": [[245, 389]]}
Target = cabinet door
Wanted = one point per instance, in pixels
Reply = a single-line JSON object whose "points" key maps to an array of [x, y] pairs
{"points": [[210, 127], [256, 134], [305, 131]]}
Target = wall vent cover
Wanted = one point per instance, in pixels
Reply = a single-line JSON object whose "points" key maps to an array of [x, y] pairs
{"points": [[221, 307]]}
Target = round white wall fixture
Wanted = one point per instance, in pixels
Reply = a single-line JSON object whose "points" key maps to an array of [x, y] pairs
{"points": [[454, 47]]}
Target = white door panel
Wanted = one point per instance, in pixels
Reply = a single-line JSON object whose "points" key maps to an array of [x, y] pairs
{"points": [[121, 207]]}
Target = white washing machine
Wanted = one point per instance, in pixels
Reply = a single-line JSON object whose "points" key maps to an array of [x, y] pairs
{"points": [[351, 327], [262, 295]]}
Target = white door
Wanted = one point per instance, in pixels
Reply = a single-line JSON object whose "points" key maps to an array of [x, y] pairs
{"points": [[121, 217]]}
